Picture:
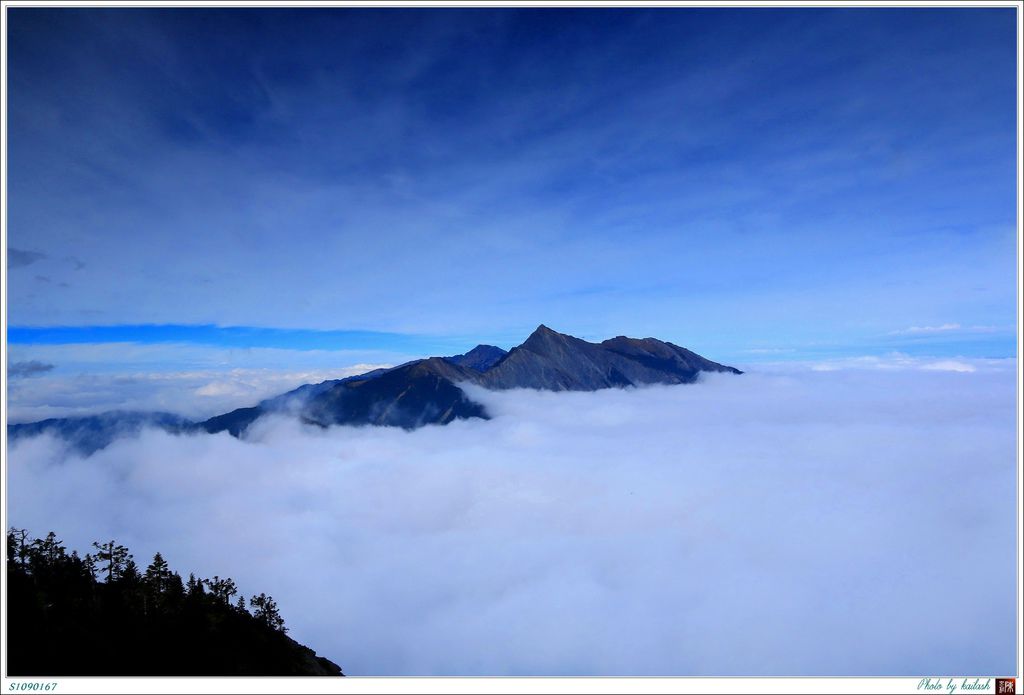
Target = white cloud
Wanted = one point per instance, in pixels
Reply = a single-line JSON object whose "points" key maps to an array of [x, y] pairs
{"points": [[250, 386], [126, 357], [894, 361], [934, 329], [767, 351], [944, 328], [844, 522], [194, 394], [190, 380], [949, 366]]}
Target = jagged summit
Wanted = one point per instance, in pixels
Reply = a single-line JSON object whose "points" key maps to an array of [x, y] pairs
{"points": [[545, 339], [556, 361], [543, 330], [428, 391], [480, 358]]}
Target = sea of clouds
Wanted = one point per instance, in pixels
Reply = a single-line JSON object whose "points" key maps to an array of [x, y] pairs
{"points": [[801, 522]]}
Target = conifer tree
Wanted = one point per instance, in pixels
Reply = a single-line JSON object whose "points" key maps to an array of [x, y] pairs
{"points": [[195, 586], [130, 573], [48, 551], [158, 575], [265, 610], [175, 588], [77, 567], [116, 557], [16, 545], [222, 589], [89, 563]]}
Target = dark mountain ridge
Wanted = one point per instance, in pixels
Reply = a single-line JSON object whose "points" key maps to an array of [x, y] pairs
{"points": [[481, 358], [549, 360], [89, 433], [428, 391]]}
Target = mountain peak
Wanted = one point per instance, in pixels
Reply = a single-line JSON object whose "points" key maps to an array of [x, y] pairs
{"points": [[480, 358], [543, 334]]}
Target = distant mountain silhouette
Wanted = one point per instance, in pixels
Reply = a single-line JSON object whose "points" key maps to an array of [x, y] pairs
{"points": [[92, 432], [480, 358], [426, 391]]}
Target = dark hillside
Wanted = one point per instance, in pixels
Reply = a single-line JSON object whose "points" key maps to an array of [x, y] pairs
{"points": [[100, 616]]}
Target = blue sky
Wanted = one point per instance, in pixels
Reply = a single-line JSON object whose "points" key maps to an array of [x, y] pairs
{"points": [[750, 183]]}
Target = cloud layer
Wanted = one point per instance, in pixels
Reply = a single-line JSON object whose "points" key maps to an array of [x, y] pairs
{"points": [[195, 381], [839, 522]]}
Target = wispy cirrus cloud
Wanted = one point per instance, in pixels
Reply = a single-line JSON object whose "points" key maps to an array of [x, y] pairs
{"points": [[945, 328], [892, 362], [19, 258], [227, 337], [949, 366], [19, 370], [348, 157], [933, 329]]}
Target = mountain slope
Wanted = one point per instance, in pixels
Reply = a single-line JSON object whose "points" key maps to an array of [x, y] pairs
{"points": [[411, 396], [237, 421], [93, 432]]}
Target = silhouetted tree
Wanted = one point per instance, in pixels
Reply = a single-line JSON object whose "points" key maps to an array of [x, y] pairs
{"points": [[131, 589], [89, 563], [16, 545], [265, 610], [131, 572], [47, 551], [158, 576], [194, 588], [75, 567], [175, 590], [162, 587], [222, 589], [116, 557]]}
